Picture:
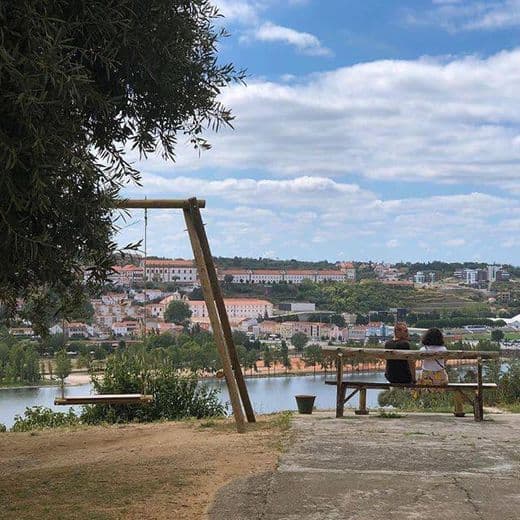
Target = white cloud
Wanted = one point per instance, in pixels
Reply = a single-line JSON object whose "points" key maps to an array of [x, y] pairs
{"points": [[313, 192], [451, 121], [455, 15], [241, 11], [456, 242], [248, 13], [305, 42], [316, 217]]}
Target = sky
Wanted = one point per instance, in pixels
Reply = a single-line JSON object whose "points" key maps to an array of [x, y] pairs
{"points": [[368, 130]]}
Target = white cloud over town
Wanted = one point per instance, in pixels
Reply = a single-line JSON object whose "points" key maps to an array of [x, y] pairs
{"points": [[317, 217], [445, 121], [305, 172]]}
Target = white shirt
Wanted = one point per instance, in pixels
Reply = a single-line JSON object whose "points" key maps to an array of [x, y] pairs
{"points": [[433, 365]]}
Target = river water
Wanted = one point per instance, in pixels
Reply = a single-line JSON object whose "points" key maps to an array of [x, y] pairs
{"points": [[268, 394]]}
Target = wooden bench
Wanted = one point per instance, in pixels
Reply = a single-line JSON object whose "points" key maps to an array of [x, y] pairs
{"points": [[462, 391]]}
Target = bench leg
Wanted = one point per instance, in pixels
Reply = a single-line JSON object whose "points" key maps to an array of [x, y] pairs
{"points": [[362, 402], [478, 407], [458, 400], [340, 400], [479, 398]]}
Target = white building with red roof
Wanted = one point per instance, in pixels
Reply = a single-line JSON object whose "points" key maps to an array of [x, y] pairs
{"points": [[164, 270], [235, 308]]}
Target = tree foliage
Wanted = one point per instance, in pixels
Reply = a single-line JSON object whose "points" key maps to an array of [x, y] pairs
{"points": [[177, 312], [19, 362], [81, 84], [63, 367], [312, 356], [299, 340]]}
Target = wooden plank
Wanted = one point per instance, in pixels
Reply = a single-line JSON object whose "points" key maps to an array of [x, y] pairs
{"points": [[158, 203], [362, 410], [384, 386], [350, 396], [215, 322], [221, 308], [458, 401], [104, 399], [377, 353]]}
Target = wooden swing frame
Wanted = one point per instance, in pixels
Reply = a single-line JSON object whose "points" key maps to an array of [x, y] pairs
{"points": [[219, 320]]}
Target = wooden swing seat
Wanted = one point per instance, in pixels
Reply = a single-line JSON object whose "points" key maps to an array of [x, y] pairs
{"points": [[104, 399]]}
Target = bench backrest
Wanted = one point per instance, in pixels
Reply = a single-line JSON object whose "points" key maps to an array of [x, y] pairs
{"points": [[379, 353]]}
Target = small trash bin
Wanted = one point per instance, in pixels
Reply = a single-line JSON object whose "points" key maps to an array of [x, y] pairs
{"points": [[305, 403]]}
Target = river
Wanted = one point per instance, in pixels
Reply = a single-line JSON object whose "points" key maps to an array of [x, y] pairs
{"points": [[268, 394]]}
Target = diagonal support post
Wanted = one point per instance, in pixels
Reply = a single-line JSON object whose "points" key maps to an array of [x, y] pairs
{"points": [[209, 297], [221, 308]]}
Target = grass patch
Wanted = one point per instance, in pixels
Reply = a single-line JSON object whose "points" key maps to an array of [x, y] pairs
{"points": [[384, 414], [512, 407], [207, 424], [282, 420]]}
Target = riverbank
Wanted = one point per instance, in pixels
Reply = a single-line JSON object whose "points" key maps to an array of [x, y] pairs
{"points": [[158, 471]]}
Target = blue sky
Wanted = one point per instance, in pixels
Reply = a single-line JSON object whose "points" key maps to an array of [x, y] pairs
{"points": [[370, 129]]}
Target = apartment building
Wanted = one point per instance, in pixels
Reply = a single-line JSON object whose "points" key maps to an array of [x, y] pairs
{"points": [[180, 271], [349, 270], [270, 276], [125, 328], [266, 276], [126, 275], [235, 308]]}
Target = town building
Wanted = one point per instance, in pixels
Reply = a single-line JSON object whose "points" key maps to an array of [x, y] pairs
{"points": [[266, 276], [387, 272], [235, 308], [349, 270], [125, 328], [271, 276], [419, 277], [164, 270], [126, 275], [297, 307]]}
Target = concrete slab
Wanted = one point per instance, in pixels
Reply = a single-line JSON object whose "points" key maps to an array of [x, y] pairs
{"points": [[421, 466]]}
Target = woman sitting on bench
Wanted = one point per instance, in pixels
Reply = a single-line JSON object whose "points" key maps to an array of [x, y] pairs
{"points": [[433, 370], [400, 370]]}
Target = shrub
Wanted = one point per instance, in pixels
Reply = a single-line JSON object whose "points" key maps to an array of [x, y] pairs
{"points": [[175, 396], [3, 428], [39, 417]]}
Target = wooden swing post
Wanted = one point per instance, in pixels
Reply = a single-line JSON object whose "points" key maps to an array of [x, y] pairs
{"points": [[213, 297]]}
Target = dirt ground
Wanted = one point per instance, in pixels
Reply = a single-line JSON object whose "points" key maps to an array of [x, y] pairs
{"points": [[153, 471]]}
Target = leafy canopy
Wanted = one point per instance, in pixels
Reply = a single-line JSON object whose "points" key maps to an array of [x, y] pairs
{"points": [[82, 82], [177, 312]]}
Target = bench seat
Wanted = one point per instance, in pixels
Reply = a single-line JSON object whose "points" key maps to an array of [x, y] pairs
{"points": [[459, 390], [386, 385]]}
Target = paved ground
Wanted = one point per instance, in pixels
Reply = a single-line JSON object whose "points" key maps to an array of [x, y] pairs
{"points": [[421, 466]]}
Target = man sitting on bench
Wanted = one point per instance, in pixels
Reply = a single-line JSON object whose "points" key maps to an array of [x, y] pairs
{"points": [[400, 370]]}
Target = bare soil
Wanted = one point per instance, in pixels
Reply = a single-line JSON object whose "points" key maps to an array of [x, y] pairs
{"points": [[153, 471]]}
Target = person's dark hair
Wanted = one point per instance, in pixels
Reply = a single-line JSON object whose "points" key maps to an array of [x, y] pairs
{"points": [[433, 337]]}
